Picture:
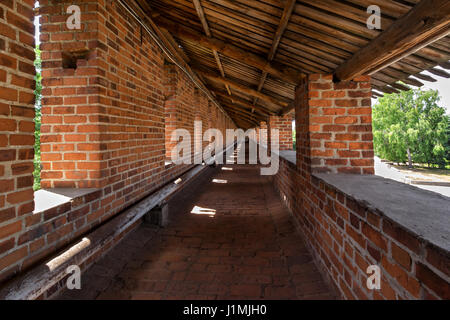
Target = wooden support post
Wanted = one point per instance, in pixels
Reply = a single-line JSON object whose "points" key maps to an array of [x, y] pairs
{"points": [[158, 215]]}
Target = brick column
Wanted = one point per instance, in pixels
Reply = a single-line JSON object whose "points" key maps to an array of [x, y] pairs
{"points": [[73, 115], [103, 106], [333, 123], [284, 125], [263, 136], [170, 82], [16, 129]]}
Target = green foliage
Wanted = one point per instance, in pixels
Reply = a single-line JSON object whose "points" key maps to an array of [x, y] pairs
{"points": [[294, 140], [447, 146], [411, 120], [37, 121]]}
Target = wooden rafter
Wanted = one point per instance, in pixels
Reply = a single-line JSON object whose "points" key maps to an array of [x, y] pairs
{"points": [[145, 10], [201, 15], [244, 103], [242, 116], [281, 71], [243, 112], [287, 12], [243, 89], [319, 37], [427, 22]]}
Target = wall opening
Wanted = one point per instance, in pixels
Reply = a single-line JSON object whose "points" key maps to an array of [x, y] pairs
{"points": [[170, 96], [70, 59], [38, 94], [294, 136]]}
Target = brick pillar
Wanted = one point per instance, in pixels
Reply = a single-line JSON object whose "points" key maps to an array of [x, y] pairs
{"points": [[16, 129], [73, 117], [284, 125], [170, 82], [333, 124], [103, 106], [263, 136]]}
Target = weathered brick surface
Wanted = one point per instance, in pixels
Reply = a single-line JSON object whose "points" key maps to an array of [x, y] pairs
{"points": [[284, 127], [346, 236], [248, 250], [103, 123], [334, 130], [16, 129], [109, 115]]}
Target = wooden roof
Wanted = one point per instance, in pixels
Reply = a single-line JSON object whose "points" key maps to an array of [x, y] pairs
{"points": [[252, 53]]}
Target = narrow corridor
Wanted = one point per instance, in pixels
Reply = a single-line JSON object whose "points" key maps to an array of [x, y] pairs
{"points": [[229, 237]]}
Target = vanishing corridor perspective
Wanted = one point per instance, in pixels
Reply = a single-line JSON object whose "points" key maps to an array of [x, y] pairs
{"points": [[228, 238], [120, 78]]}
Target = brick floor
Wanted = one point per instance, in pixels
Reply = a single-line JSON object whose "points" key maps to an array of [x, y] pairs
{"points": [[245, 246]]}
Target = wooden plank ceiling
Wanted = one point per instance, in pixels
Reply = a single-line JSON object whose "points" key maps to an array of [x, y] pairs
{"points": [[251, 53]]}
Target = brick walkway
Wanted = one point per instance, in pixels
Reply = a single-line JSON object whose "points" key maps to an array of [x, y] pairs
{"points": [[242, 246]]}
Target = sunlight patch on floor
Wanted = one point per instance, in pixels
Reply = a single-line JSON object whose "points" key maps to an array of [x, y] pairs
{"points": [[219, 181], [203, 211]]}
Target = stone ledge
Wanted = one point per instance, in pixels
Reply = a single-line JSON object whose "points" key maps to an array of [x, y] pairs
{"points": [[47, 199], [289, 155], [38, 280], [42, 277], [423, 213]]}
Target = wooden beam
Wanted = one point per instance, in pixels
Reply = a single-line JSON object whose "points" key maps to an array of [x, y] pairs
{"points": [[244, 113], [239, 109], [278, 70], [287, 109], [287, 12], [245, 103], [201, 16], [424, 77], [242, 116], [427, 22], [243, 89], [445, 65], [144, 10], [439, 72], [244, 124]]}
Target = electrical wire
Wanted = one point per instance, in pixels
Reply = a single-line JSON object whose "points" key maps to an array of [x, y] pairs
{"points": [[167, 52]]}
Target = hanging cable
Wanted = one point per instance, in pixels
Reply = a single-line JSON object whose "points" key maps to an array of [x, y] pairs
{"points": [[167, 52]]}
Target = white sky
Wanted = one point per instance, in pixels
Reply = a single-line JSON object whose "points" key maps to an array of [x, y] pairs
{"points": [[442, 85]]}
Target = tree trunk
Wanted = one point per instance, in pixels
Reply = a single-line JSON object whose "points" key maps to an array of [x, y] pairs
{"points": [[410, 166]]}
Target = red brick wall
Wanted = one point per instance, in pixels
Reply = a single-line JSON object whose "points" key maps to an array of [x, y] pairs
{"points": [[263, 136], [346, 236], [284, 125], [102, 126], [170, 92], [103, 119], [184, 104], [16, 128], [335, 124]]}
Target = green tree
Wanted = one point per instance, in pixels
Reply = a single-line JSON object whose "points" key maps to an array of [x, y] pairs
{"points": [[294, 138], [410, 127], [37, 121], [447, 146]]}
